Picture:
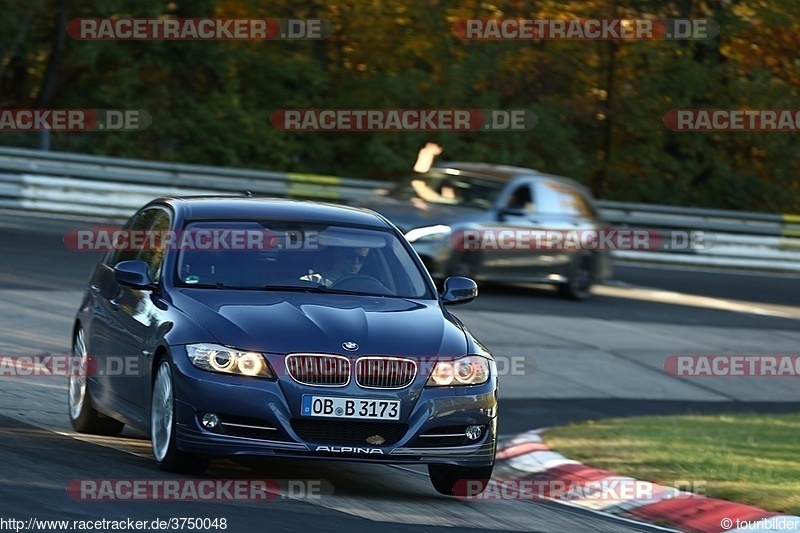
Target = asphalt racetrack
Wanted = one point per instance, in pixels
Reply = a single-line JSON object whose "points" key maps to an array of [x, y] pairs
{"points": [[561, 361]]}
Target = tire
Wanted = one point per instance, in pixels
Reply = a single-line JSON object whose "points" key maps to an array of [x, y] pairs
{"points": [[459, 480], [84, 418], [162, 427], [579, 284]]}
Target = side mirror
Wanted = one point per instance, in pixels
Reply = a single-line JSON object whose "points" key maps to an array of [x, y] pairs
{"points": [[458, 290], [133, 274]]}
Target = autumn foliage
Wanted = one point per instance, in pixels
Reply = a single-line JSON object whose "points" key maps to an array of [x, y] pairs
{"points": [[600, 104]]}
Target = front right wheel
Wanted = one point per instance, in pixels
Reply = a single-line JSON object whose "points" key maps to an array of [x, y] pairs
{"points": [[460, 481]]}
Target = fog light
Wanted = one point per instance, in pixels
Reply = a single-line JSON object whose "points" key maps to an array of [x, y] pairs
{"points": [[210, 421], [474, 432]]}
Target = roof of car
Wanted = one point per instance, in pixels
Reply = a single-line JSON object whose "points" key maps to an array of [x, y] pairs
{"points": [[243, 207], [500, 172], [503, 172]]}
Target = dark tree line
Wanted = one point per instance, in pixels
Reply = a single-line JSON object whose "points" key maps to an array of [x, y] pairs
{"points": [[600, 104]]}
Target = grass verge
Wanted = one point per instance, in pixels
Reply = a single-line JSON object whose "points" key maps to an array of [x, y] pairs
{"points": [[747, 458]]}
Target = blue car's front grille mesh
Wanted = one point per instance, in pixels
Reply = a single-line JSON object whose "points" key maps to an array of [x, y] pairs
{"points": [[372, 372], [313, 369], [385, 372], [347, 433]]}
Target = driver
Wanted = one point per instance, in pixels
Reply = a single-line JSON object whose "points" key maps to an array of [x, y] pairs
{"points": [[346, 262]]}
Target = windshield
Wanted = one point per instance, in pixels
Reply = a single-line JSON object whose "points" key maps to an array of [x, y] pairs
{"points": [[449, 189], [297, 256]]}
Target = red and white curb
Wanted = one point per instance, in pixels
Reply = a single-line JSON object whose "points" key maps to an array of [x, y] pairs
{"points": [[526, 468]]}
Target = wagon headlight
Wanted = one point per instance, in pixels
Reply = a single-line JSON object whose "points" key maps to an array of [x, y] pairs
{"points": [[216, 358], [470, 370]]}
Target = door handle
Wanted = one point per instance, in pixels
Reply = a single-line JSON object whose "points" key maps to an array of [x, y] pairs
{"points": [[94, 288], [114, 304]]}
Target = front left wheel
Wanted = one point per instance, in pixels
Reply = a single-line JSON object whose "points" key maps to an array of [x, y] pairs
{"points": [[84, 418], [162, 427]]}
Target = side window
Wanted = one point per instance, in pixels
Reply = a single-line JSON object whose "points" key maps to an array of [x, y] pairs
{"points": [[561, 199], [585, 209], [141, 221], [154, 219], [521, 198], [155, 257]]}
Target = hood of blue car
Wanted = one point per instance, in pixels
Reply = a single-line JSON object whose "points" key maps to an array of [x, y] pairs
{"points": [[288, 322]]}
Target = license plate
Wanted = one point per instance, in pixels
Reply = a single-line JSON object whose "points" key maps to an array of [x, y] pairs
{"points": [[333, 407]]}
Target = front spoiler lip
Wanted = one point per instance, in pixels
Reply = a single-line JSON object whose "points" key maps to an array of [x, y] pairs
{"points": [[225, 445]]}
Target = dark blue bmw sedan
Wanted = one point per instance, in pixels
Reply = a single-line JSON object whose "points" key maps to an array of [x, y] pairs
{"points": [[240, 326]]}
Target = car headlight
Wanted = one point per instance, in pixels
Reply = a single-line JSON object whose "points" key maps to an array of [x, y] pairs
{"points": [[216, 358], [470, 370], [428, 233]]}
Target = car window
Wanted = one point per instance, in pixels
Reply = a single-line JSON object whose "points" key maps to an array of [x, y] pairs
{"points": [[140, 222], [558, 198], [521, 199], [297, 254], [406, 264], [154, 256], [586, 207], [450, 189]]}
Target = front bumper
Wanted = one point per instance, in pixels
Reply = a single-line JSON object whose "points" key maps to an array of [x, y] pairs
{"points": [[265, 420]]}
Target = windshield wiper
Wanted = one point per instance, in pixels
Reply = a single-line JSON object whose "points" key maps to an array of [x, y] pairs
{"points": [[220, 285], [317, 289], [323, 288], [297, 288]]}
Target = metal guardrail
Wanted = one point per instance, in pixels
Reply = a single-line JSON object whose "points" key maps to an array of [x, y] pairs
{"points": [[115, 187], [718, 220], [742, 239], [112, 187], [771, 254]]}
